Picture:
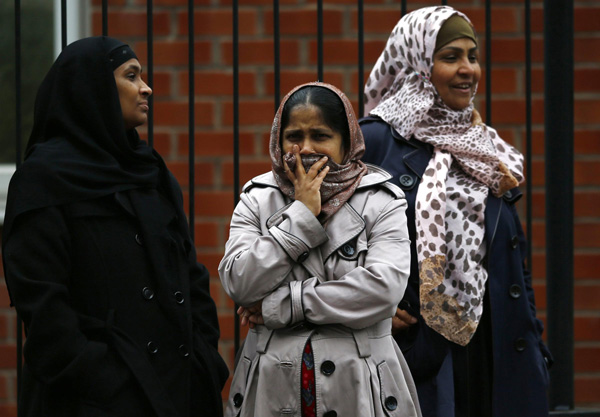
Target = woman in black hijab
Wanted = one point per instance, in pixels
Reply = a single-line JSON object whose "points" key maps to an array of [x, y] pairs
{"points": [[98, 257]]}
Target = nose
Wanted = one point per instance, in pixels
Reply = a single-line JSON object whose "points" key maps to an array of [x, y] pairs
{"points": [[466, 68], [145, 90], [306, 147]]}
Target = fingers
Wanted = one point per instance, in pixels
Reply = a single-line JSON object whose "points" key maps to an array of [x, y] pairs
{"points": [[405, 317]]}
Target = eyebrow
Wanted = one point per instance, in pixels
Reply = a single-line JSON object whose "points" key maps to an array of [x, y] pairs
{"points": [[134, 67]]}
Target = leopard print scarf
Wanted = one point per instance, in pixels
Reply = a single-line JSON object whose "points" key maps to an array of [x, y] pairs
{"points": [[342, 179], [469, 159]]}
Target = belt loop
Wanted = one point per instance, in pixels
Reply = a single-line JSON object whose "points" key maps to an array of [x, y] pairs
{"points": [[362, 342]]}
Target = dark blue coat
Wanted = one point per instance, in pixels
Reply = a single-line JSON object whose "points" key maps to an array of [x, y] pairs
{"points": [[520, 358]]}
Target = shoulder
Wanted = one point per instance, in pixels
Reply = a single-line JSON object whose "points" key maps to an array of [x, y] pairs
{"points": [[377, 179], [264, 181], [374, 129]]}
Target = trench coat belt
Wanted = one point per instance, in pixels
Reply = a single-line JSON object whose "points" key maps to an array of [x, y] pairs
{"points": [[361, 336], [137, 362]]}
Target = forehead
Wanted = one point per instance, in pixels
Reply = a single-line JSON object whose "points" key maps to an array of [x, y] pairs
{"points": [[130, 64], [461, 43], [303, 114]]}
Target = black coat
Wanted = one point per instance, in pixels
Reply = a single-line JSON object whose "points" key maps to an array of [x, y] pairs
{"points": [[520, 358], [111, 330]]}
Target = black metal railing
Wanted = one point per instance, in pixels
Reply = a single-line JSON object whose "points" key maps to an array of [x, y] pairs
{"points": [[558, 149]]}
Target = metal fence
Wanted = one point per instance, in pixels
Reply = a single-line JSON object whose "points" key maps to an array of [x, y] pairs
{"points": [[558, 151]]}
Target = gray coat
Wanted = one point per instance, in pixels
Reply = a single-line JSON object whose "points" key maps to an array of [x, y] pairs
{"points": [[338, 284]]}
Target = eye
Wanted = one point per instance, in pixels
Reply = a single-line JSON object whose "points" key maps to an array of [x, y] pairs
{"points": [[130, 75], [473, 58]]}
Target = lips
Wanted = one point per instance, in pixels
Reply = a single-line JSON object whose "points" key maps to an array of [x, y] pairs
{"points": [[144, 105]]}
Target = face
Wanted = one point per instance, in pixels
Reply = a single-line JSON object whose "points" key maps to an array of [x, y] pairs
{"points": [[456, 72], [133, 93], [307, 129]]}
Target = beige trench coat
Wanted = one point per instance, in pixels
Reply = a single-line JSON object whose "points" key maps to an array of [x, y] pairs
{"points": [[338, 285]]}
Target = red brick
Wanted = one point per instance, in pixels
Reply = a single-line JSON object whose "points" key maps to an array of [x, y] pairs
{"points": [[175, 52], [586, 50], [344, 51], [291, 79], [587, 358], [203, 173], [504, 20], [512, 110], [248, 170], [4, 325], [586, 19], [168, 113], [213, 203], [540, 296], [8, 410], [227, 323], [218, 22], [513, 50], [112, 2], [587, 235], [216, 143], [586, 297], [206, 234], [585, 268], [587, 111], [217, 83], [587, 389], [587, 328], [162, 143], [586, 80], [4, 298], [162, 83], [504, 80], [261, 52], [173, 2], [258, 112], [586, 142], [211, 260], [304, 22], [256, 2], [126, 23], [8, 356], [585, 203], [377, 21]]}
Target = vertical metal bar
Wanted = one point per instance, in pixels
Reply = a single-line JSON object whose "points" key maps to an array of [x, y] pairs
{"points": [[361, 58], [191, 119], [320, 39], [63, 23], [528, 145], [403, 7], [277, 64], [488, 62], [104, 17], [444, 2], [150, 43], [236, 144], [18, 132], [558, 128]]}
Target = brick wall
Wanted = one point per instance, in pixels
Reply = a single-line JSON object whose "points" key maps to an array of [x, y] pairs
{"points": [[214, 118]]}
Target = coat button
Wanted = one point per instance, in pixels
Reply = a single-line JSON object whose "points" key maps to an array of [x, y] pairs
{"points": [[327, 368], [152, 348], [183, 350], [302, 257], [139, 240], [520, 344], [507, 194], [515, 291], [147, 293], [348, 249], [179, 297], [330, 413], [514, 241], [238, 399], [391, 403], [406, 181]]}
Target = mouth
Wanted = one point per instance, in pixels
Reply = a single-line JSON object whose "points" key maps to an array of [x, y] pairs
{"points": [[144, 105], [463, 87]]}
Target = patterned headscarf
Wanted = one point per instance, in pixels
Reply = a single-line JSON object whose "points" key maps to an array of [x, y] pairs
{"points": [[342, 179], [468, 159]]}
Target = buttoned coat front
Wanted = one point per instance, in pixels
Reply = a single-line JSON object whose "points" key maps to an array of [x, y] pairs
{"points": [[520, 358], [118, 314], [337, 284]]}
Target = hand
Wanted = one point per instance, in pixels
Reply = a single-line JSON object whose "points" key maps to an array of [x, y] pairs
{"points": [[402, 321], [307, 185], [476, 118], [251, 316]]}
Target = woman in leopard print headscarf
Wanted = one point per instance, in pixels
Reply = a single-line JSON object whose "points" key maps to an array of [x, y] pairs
{"points": [[460, 179]]}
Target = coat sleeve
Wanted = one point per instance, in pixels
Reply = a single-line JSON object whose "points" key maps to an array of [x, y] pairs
{"points": [[363, 296], [255, 264], [37, 269]]}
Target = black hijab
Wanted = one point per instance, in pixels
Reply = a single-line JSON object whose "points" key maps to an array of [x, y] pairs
{"points": [[79, 148]]}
